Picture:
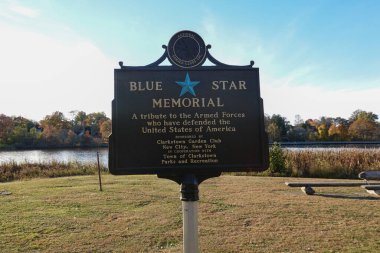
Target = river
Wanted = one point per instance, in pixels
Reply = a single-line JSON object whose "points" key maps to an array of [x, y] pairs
{"points": [[89, 155], [60, 155]]}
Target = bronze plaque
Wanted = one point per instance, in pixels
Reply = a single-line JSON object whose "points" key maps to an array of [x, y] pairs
{"points": [[173, 120]]}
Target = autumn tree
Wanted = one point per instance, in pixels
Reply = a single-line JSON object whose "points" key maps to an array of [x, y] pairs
{"points": [[311, 130], [106, 129], [323, 128], [95, 121], [338, 130], [55, 128], [362, 129], [364, 126]]}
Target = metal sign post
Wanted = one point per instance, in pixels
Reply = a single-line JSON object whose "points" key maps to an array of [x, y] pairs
{"points": [[190, 197]]}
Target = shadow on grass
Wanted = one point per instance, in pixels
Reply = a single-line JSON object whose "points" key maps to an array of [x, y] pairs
{"points": [[340, 196]]}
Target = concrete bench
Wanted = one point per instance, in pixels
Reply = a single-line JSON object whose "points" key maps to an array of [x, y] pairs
{"points": [[370, 175], [373, 188], [306, 187], [325, 184]]}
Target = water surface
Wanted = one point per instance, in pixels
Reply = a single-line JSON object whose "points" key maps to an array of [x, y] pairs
{"points": [[89, 155], [60, 155]]}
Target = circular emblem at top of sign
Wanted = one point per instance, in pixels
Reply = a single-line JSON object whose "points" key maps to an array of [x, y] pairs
{"points": [[186, 49]]}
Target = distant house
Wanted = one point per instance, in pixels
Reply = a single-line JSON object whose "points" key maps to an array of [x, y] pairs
{"points": [[39, 128], [86, 131]]}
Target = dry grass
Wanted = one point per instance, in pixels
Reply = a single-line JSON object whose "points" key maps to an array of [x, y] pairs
{"points": [[143, 214], [10, 171], [340, 163], [347, 163]]}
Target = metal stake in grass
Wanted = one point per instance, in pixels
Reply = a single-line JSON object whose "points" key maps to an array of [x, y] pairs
{"points": [[100, 178]]}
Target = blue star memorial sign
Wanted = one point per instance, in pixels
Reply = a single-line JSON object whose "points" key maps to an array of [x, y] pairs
{"points": [[187, 86]]}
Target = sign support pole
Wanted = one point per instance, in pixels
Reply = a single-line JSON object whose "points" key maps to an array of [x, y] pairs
{"points": [[190, 197]]}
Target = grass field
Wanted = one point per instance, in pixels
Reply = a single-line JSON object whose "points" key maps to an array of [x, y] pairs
{"points": [[143, 214]]}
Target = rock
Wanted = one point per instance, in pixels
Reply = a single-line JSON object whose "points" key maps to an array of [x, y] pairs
{"points": [[5, 193], [374, 192], [308, 190], [247, 223]]}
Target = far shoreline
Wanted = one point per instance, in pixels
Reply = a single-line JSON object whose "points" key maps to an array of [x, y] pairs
{"points": [[55, 147], [298, 144]]}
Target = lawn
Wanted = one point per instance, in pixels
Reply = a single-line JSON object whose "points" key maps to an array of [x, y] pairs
{"points": [[143, 214]]}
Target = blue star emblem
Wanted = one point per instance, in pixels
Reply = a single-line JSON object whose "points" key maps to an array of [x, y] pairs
{"points": [[187, 86]]}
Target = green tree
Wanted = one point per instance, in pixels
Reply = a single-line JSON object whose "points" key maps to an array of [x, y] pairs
{"points": [[6, 128], [79, 121], [17, 131], [277, 160], [57, 120], [277, 127], [274, 132], [297, 133], [370, 116]]}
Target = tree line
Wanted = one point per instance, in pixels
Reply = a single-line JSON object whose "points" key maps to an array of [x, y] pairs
{"points": [[360, 126], [55, 130], [93, 129]]}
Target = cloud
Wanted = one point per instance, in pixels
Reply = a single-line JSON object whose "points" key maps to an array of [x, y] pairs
{"points": [[14, 11], [40, 75], [23, 10], [291, 86], [311, 101]]}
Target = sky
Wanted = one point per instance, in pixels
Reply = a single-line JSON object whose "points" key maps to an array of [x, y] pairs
{"points": [[316, 58]]}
